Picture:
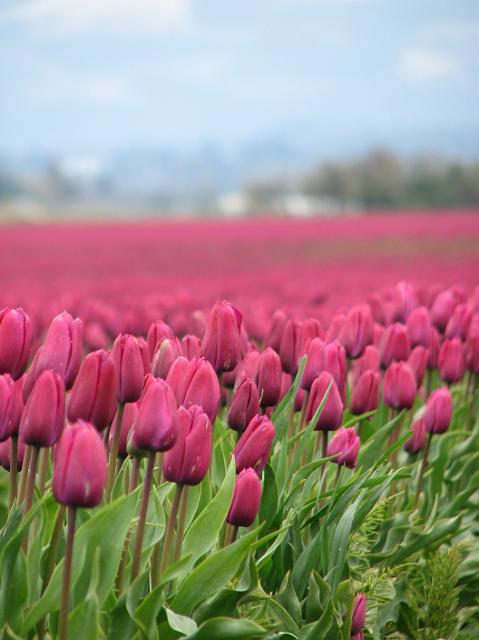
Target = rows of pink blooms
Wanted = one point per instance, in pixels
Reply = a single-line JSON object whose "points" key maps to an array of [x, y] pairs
{"points": [[170, 387]]}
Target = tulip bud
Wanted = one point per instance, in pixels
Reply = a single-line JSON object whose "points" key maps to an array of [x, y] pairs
{"points": [[247, 368], [15, 341], [378, 310], [275, 332], [415, 443], [290, 346], [418, 361], [344, 446], [61, 352], [438, 411], [369, 360], [394, 345], [189, 459], [434, 346], [472, 353], [359, 613], [253, 447], [79, 466], [332, 412], [419, 327], [222, 344], [357, 331], [335, 327], [405, 301], [451, 362], [244, 405], [167, 352], [246, 499], [157, 332], [129, 368], [399, 388], [194, 382], [335, 364], [6, 453], [44, 414], [310, 329], [156, 428], [299, 399], [269, 377], [191, 346], [145, 354], [6, 406], [130, 415], [315, 363], [366, 393], [459, 322], [442, 309], [93, 396]]}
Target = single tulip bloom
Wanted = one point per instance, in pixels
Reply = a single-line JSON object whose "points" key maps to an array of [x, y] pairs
{"points": [[145, 355], [405, 300], [253, 447], [168, 351], [399, 387], [156, 427], [335, 327], [157, 332], [189, 459], [394, 345], [332, 412], [459, 322], [269, 377], [434, 347], [15, 341], [344, 446], [6, 453], [93, 396], [194, 382], [359, 613], [44, 414], [451, 361], [130, 414], [246, 499], [419, 326], [79, 466], [369, 360], [357, 331], [244, 405], [378, 310], [471, 349], [442, 309], [290, 346], [222, 344], [129, 368], [246, 368], [366, 393], [415, 443], [418, 361], [438, 411], [274, 334], [7, 387], [310, 329], [335, 364], [315, 363], [191, 346]]}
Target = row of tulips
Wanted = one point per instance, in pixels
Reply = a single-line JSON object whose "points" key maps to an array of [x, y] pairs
{"points": [[149, 412]]}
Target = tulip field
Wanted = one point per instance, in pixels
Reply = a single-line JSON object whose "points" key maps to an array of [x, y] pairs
{"points": [[261, 429]]}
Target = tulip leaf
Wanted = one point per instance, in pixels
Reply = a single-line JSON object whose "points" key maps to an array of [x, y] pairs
{"points": [[372, 451], [228, 629]]}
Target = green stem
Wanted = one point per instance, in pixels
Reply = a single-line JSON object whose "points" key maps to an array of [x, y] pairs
{"points": [[324, 445], [42, 473], [115, 445], [23, 478], [423, 467], [31, 479], [67, 572], [169, 532], [13, 469], [181, 524], [338, 474], [140, 531]]}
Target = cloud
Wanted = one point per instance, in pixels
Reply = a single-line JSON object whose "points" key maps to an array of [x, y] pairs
{"points": [[425, 65], [85, 17]]}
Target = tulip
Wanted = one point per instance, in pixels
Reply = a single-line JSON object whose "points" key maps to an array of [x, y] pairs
{"points": [[93, 396], [405, 300], [359, 613], [129, 418], [168, 351], [378, 310], [191, 346], [194, 382], [198, 324], [357, 331], [244, 405], [335, 327], [415, 443], [275, 332], [443, 308], [399, 388], [472, 353], [155, 428], [15, 341], [310, 329], [299, 399], [451, 361], [335, 364], [419, 327], [459, 322], [434, 346], [6, 406], [438, 411], [6, 454], [247, 368], [44, 414], [253, 447], [418, 361], [145, 354], [369, 360], [222, 344], [332, 412], [289, 349], [394, 345], [246, 499], [157, 332], [269, 377], [366, 393], [129, 368], [315, 363], [344, 446]]}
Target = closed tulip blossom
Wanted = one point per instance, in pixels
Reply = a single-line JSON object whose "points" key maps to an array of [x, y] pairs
{"points": [[332, 412], [451, 361], [405, 300], [129, 418], [129, 368], [433, 349], [399, 386], [15, 341], [359, 613], [93, 396], [344, 446], [44, 414], [418, 326], [269, 378], [365, 396], [459, 322], [442, 309], [194, 382], [310, 329], [471, 349], [246, 499], [253, 447], [315, 363], [415, 443], [222, 344], [7, 386], [335, 364], [244, 405], [418, 361], [335, 327], [357, 331], [274, 334], [395, 345], [438, 411], [157, 332], [145, 354], [247, 368], [191, 346], [289, 350], [369, 360], [156, 428], [6, 454], [168, 351]]}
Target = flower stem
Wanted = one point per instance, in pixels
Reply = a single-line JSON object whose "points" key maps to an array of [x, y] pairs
{"points": [[42, 472], [67, 571], [13, 469], [181, 524], [168, 536], [23, 478], [31, 479], [423, 467], [114, 451], [140, 531]]}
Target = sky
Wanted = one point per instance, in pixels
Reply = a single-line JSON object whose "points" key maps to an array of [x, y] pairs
{"points": [[103, 75]]}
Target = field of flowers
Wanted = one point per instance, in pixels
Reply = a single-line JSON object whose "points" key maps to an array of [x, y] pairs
{"points": [[245, 430]]}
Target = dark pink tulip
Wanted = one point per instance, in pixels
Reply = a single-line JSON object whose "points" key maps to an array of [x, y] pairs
{"points": [[357, 331], [451, 362], [344, 445], [155, 428], [129, 368], [157, 332], [275, 332], [247, 368], [399, 387], [269, 377], [93, 396], [253, 447], [290, 346], [365, 396], [442, 309], [79, 466], [7, 390], [359, 613], [335, 364], [438, 411], [405, 300], [145, 354], [223, 343], [17, 407], [286, 382], [44, 414], [189, 459], [369, 360], [6, 453], [246, 499], [335, 327], [415, 443], [191, 346], [418, 361], [378, 310], [244, 405], [194, 382], [299, 399], [315, 363], [130, 415], [332, 412], [310, 329], [15, 341], [378, 335], [459, 322], [419, 327], [168, 351], [471, 349], [434, 346], [394, 345]]}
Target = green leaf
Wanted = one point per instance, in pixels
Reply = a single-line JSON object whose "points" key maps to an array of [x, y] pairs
{"points": [[180, 623], [228, 629]]}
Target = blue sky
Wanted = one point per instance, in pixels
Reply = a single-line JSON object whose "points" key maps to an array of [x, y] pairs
{"points": [[100, 75]]}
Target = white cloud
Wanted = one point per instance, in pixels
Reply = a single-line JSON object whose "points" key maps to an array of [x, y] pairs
{"points": [[425, 65], [85, 17]]}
